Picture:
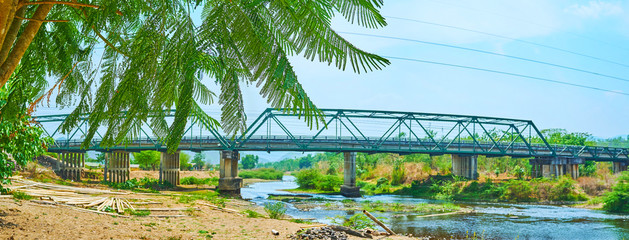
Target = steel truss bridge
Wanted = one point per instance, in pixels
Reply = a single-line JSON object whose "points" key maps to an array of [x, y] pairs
{"points": [[351, 131]]}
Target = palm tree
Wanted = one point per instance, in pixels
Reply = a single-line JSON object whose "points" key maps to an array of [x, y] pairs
{"points": [[156, 53]]}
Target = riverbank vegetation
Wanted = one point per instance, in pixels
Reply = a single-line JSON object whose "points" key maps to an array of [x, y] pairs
{"points": [[503, 179], [262, 173]]}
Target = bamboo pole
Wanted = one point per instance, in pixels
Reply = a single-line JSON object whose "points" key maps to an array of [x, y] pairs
{"points": [[378, 222]]}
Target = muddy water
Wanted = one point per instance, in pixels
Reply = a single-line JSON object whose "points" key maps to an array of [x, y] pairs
{"points": [[490, 220]]}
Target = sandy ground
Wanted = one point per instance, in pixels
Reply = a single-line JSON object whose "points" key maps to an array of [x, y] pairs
{"points": [[23, 219]]}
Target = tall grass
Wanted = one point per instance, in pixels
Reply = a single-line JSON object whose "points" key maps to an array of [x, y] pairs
{"points": [[262, 173]]}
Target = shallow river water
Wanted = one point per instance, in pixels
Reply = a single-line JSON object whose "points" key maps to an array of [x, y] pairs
{"points": [[490, 220]]}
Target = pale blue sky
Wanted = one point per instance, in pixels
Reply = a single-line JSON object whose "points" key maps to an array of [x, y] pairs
{"points": [[595, 28]]}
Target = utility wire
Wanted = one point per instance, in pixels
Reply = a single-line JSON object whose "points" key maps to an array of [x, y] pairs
{"points": [[506, 73], [510, 38], [489, 53], [526, 21]]}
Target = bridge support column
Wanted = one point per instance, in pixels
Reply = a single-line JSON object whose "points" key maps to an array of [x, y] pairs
{"points": [[72, 164], [229, 181], [550, 167], [618, 167], [117, 169], [169, 168], [349, 188], [465, 166]]}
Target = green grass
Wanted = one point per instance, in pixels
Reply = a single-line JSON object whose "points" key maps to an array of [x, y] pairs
{"points": [[210, 196], [252, 214], [262, 173], [275, 210], [199, 181], [17, 195]]}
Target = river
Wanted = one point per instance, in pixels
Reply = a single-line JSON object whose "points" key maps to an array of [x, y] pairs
{"points": [[490, 220]]}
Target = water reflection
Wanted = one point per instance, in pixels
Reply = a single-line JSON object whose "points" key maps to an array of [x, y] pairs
{"points": [[490, 220]]}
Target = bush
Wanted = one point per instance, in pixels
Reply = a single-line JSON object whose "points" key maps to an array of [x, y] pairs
{"points": [[252, 214], [144, 184], [307, 179], [618, 199], [262, 173], [21, 195], [275, 210], [518, 191], [328, 182], [356, 221], [199, 181]]}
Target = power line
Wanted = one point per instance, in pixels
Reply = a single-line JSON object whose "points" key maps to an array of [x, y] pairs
{"points": [[528, 22], [489, 53], [507, 73], [513, 39]]}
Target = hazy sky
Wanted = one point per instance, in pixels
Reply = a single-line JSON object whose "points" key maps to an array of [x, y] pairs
{"points": [[557, 32], [599, 29]]}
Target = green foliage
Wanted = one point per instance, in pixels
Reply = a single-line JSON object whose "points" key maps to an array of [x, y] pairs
{"points": [[306, 162], [198, 181], [20, 142], [307, 179], [184, 162], [145, 184], [198, 161], [356, 221], [148, 160], [328, 182], [618, 199], [21, 195], [561, 136], [587, 169], [156, 54], [139, 213], [262, 173], [210, 196], [252, 214], [518, 190], [249, 161], [275, 210], [398, 175]]}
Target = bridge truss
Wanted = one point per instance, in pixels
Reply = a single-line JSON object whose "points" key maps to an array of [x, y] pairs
{"points": [[353, 131]]}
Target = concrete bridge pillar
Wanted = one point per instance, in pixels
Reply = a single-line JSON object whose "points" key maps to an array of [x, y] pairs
{"points": [[349, 188], [71, 165], [169, 168], [550, 167], [618, 167], [465, 166], [229, 181], [117, 166]]}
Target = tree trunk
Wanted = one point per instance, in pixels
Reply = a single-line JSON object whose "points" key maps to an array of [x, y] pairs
{"points": [[22, 43], [11, 35], [7, 10]]}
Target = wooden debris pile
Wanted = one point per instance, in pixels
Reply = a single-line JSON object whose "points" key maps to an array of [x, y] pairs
{"points": [[111, 204]]}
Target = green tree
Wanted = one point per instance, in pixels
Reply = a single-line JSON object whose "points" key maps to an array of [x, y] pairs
{"points": [[305, 162], [250, 161], [20, 141], [184, 162], [100, 158], [198, 161], [148, 160], [156, 53], [618, 199]]}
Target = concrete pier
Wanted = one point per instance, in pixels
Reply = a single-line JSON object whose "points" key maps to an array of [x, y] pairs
{"points": [[229, 181], [169, 168], [349, 188], [618, 167], [550, 167], [71, 165], [465, 166], [117, 166]]}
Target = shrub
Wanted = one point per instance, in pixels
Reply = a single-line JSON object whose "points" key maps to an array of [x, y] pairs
{"points": [[618, 199], [262, 173], [199, 181], [252, 214], [21, 195], [382, 181], [593, 186], [517, 190], [328, 182], [308, 178], [275, 210], [356, 221]]}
